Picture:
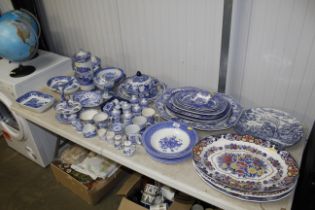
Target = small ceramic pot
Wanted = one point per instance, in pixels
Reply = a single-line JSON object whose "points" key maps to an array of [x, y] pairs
{"points": [[141, 121], [101, 120], [136, 109], [126, 107], [129, 148], [117, 128], [118, 144], [133, 134], [77, 125], [127, 117], [110, 137], [149, 114], [101, 133], [87, 115], [89, 130]]}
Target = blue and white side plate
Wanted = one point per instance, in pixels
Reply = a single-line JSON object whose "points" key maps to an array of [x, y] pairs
{"points": [[169, 140], [271, 125], [230, 121], [106, 77], [36, 101], [69, 83], [88, 98]]}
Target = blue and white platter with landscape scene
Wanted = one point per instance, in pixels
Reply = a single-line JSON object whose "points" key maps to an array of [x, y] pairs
{"points": [[88, 98], [271, 125], [169, 142], [69, 84], [36, 101]]}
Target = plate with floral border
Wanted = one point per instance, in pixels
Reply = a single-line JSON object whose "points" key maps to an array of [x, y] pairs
{"points": [[88, 98], [169, 140], [209, 126], [272, 125], [245, 163]]}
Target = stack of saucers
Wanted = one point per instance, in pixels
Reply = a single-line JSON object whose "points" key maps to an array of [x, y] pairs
{"points": [[169, 142], [199, 108], [245, 167]]}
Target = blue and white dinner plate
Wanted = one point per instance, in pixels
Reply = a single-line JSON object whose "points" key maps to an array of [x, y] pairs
{"points": [[69, 83], [88, 98], [106, 77], [36, 101], [169, 140], [271, 125], [230, 121]]}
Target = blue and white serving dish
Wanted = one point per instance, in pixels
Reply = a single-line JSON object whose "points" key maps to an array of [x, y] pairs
{"points": [[68, 83], [36, 101], [88, 98], [107, 77], [169, 140], [271, 125], [225, 121], [140, 85]]}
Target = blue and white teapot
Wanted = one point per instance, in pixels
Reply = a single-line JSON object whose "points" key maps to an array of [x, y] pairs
{"points": [[141, 84]]}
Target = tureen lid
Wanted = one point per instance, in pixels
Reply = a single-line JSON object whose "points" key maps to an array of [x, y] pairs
{"points": [[140, 78]]}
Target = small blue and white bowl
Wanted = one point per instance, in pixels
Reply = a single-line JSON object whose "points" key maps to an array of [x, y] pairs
{"points": [[101, 120], [87, 115], [89, 130]]}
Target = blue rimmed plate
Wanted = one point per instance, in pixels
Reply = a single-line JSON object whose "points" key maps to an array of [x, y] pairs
{"points": [[271, 125], [106, 77], [88, 98], [36, 101], [169, 140], [69, 83]]}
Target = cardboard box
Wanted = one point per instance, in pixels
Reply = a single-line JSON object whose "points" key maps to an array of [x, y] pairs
{"points": [[91, 196], [131, 186]]}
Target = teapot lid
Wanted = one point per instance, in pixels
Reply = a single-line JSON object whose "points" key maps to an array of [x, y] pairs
{"points": [[139, 77]]}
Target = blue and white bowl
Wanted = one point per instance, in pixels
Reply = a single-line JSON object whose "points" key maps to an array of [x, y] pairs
{"points": [[36, 101], [89, 130]]}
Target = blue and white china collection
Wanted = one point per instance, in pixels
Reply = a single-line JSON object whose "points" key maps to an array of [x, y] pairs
{"points": [[127, 113]]}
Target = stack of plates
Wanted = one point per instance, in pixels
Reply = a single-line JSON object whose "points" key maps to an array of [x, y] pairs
{"points": [[245, 167], [272, 125], [169, 142], [198, 108]]}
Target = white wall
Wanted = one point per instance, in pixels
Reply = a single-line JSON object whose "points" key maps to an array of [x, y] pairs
{"points": [[177, 41], [5, 5], [272, 56]]}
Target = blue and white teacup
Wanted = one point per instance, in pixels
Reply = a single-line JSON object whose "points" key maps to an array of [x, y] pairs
{"points": [[89, 130], [149, 113], [101, 133], [101, 120], [133, 133], [87, 115], [129, 148], [77, 125]]}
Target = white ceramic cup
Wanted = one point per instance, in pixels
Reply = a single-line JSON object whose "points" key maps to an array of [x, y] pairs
{"points": [[141, 121], [100, 119], [133, 133], [87, 115], [89, 130], [149, 114], [101, 133]]}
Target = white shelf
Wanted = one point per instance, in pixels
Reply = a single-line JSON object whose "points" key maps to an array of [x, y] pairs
{"points": [[179, 176]]}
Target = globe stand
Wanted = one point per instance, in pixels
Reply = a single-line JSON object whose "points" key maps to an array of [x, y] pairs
{"points": [[22, 71]]}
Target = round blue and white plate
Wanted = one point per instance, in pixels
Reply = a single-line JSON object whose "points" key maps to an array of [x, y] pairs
{"points": [[106, 77], [69, 83], [88, 98], [169, 140], [271, 125], [230, 121]]}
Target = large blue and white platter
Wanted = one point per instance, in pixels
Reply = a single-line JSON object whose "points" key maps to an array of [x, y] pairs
{"points": [[69, 83], [170, 141], [36, 101], [88, 98], [271, 125], [245, 167], [225, 123], [106, 77]]}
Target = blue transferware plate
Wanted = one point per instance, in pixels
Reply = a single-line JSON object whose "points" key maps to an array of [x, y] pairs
{"points": [[106, 77], [36, 101], [169, 140], [271, 125], [69, 83], [230, 121], [88, 98], [171, 161]]}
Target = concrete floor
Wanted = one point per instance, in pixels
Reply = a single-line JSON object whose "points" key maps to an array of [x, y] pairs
{"points": [[25, 185]]}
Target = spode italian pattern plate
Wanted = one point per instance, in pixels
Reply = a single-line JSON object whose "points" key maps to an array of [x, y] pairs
{"points": [[272, 125], [70, 84], [246, 164]]}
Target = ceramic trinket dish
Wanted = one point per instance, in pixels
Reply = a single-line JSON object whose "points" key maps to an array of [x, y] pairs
{"points": [[140, 85], [36, 101], [271, 125], [68, 84]]}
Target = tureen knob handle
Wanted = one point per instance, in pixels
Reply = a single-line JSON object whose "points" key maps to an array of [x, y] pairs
{"points": [[139, 73]]}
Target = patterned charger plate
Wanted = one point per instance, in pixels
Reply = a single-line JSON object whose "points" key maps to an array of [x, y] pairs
{"points": [[272, 125], [245, 164]]}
